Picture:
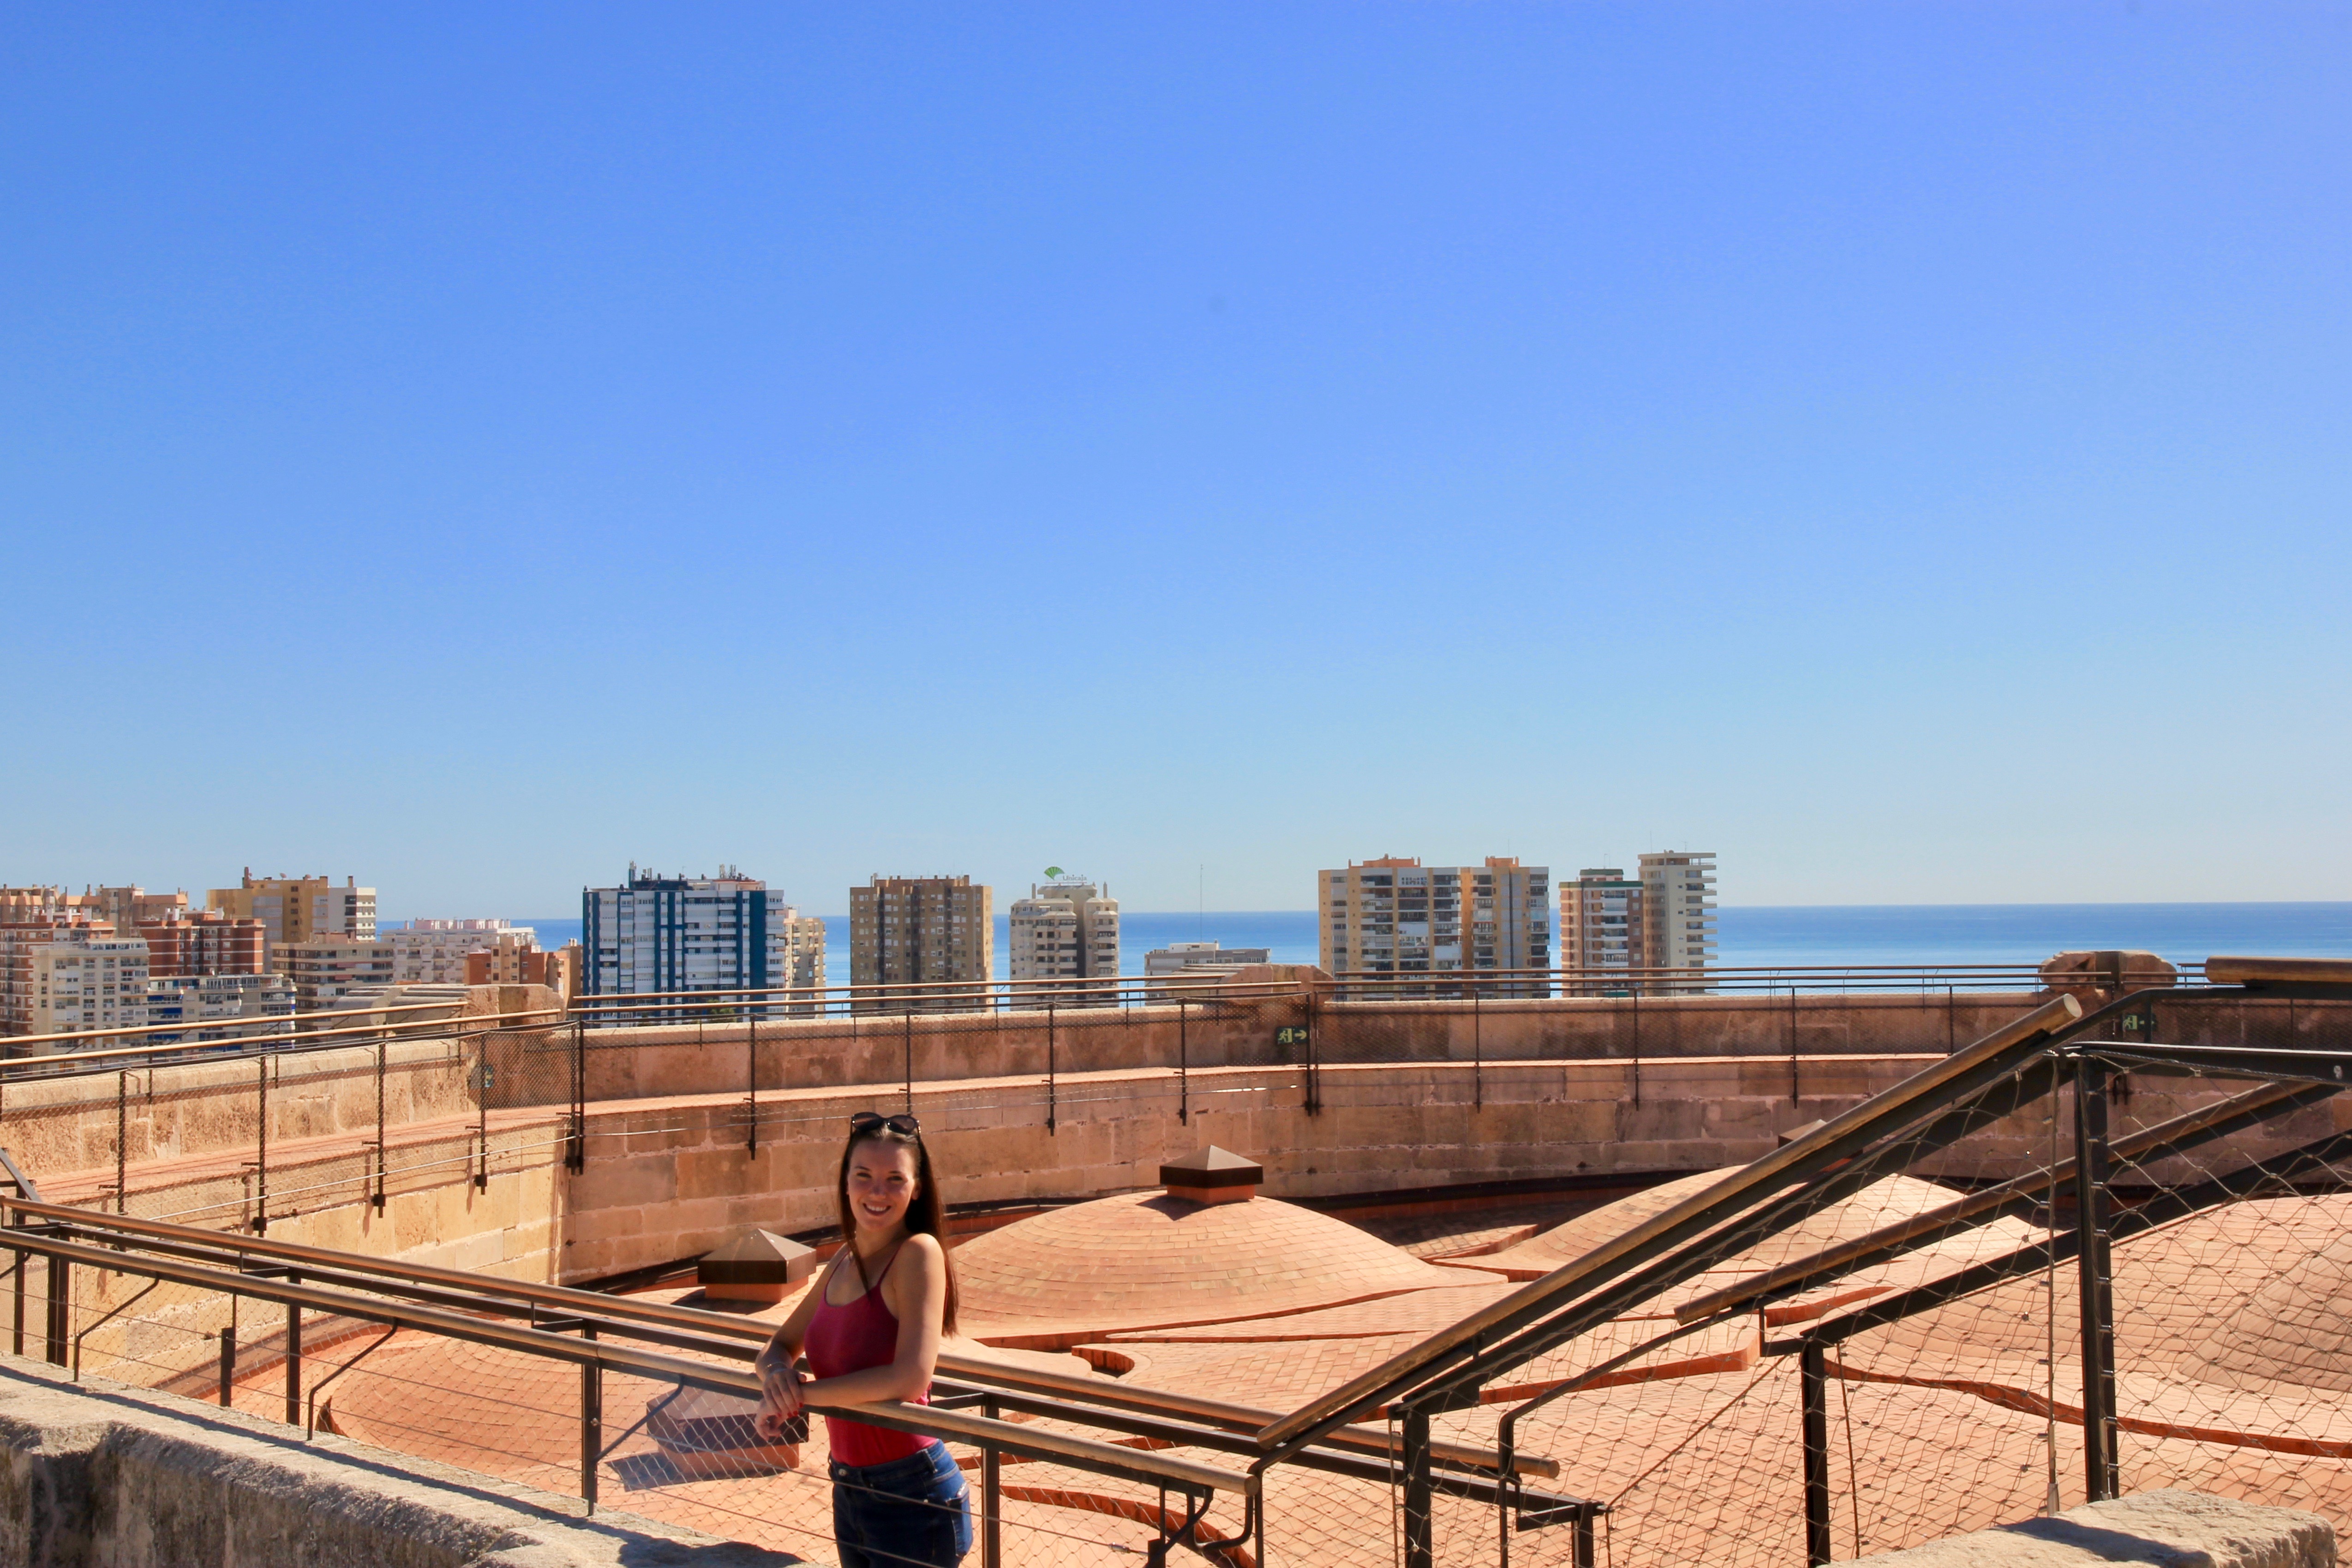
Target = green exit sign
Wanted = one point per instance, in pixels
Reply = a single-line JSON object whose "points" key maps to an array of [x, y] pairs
{"points": [[1290, 1035]]}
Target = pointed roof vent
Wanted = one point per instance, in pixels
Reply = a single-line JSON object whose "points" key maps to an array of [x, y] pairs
{"points": [[754, 1266], [1212, 1175]]}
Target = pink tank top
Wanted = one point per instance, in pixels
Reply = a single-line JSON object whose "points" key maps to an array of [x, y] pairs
{"points": [[843, 1339]]}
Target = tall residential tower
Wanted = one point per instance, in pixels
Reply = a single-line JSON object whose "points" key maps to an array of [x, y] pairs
{"points": [[1602, 932], [1678, 902], [1067, 930], [937, 933], [1396, 915], [727, 932]]}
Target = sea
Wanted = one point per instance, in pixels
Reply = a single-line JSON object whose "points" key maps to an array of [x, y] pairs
{"points": [[1835, 935]]}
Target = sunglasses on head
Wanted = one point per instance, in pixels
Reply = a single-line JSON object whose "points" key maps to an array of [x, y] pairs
{"points": [[904, 1123]]}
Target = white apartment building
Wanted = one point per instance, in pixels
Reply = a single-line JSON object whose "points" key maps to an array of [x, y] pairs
{"points": [[88, 982], [326, 967], [434, 952], [727, 932], [1394, 915], [217, 1006], [1678, 904], [1066, 930], [1180, 956]]}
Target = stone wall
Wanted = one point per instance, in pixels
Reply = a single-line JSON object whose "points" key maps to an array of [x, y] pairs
{"points": [[676, 1158], [128, 1477]]}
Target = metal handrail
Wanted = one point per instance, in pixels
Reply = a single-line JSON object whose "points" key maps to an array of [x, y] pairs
{"points": [[1035, 1442], [59, 1063], [271, 1020], [717, 1334], [1736, 1192]]}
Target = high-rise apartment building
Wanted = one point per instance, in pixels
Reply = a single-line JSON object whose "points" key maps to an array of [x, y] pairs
{"points": [[1394, 915], [1066, 930], [1678, 904], [203, 943], [727, 932], [22, 939], [1604, 933], [298, 909], [436, 950], [85, 981], [326, 967], [937, 932]]}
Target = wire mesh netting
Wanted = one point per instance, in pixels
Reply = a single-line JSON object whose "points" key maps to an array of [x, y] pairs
{"points": [[1906, 1352]]}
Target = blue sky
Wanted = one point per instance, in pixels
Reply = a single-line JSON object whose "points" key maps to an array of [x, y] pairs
{"points": [[1902, 449]]}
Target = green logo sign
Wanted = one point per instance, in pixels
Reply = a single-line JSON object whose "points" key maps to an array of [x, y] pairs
{"points": [[1052, 870]]}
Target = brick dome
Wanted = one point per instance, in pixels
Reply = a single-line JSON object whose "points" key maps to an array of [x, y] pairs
{"points": [[1881, 1202], [2268, 1315], [1149, 1260]]}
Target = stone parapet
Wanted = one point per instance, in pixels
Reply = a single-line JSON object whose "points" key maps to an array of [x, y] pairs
{"points": [[101, 1472]]}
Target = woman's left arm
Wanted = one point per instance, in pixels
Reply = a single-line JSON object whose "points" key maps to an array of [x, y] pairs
{"points": [[917, 1294]]}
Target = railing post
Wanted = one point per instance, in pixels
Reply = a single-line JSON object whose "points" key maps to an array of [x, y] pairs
{"points": [[228, 1358], [482, 1114], [1793, 1043], [381, 1160], [1053, 1091], [261, 1146], [122, 1140], [592, 1421], [751, 1073], [293, 1357], [576, 1157], [1419, 1538], [60, 1296], [1183, 1067], [909, 1044], [992, 1498], [2096, 1275], [1813, 1397], [1477, 1055], [1314, 1078], [17, 1339]]}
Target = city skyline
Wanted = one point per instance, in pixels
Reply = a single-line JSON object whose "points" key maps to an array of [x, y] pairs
{"points": [[1851, 440]]}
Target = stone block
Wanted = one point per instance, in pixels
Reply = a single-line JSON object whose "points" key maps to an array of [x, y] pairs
{"points": [[2173, 1529]]}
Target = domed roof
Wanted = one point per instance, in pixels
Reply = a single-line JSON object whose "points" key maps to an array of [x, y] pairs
{"points": [[1149, 1260], [2296, 1328], [1881, 1202]]}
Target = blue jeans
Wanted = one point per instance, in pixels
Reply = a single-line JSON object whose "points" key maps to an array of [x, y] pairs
{"points": [[915, 1511]]}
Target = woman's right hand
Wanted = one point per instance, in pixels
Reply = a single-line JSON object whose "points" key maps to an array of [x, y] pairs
{"points": [[780, 1399]]}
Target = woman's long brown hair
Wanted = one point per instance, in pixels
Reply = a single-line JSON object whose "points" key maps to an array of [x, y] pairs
{"points": [[926, 1213]]}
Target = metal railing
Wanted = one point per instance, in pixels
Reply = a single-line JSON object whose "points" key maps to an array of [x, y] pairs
{"points": [[2061, 1044], [1140, 1434]]}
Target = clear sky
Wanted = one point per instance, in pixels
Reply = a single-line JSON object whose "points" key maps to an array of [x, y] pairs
{"points": [[1905, 448]]}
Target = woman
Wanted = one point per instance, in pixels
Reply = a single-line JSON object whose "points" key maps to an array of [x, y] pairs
{"points": [[872, 1326]]}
